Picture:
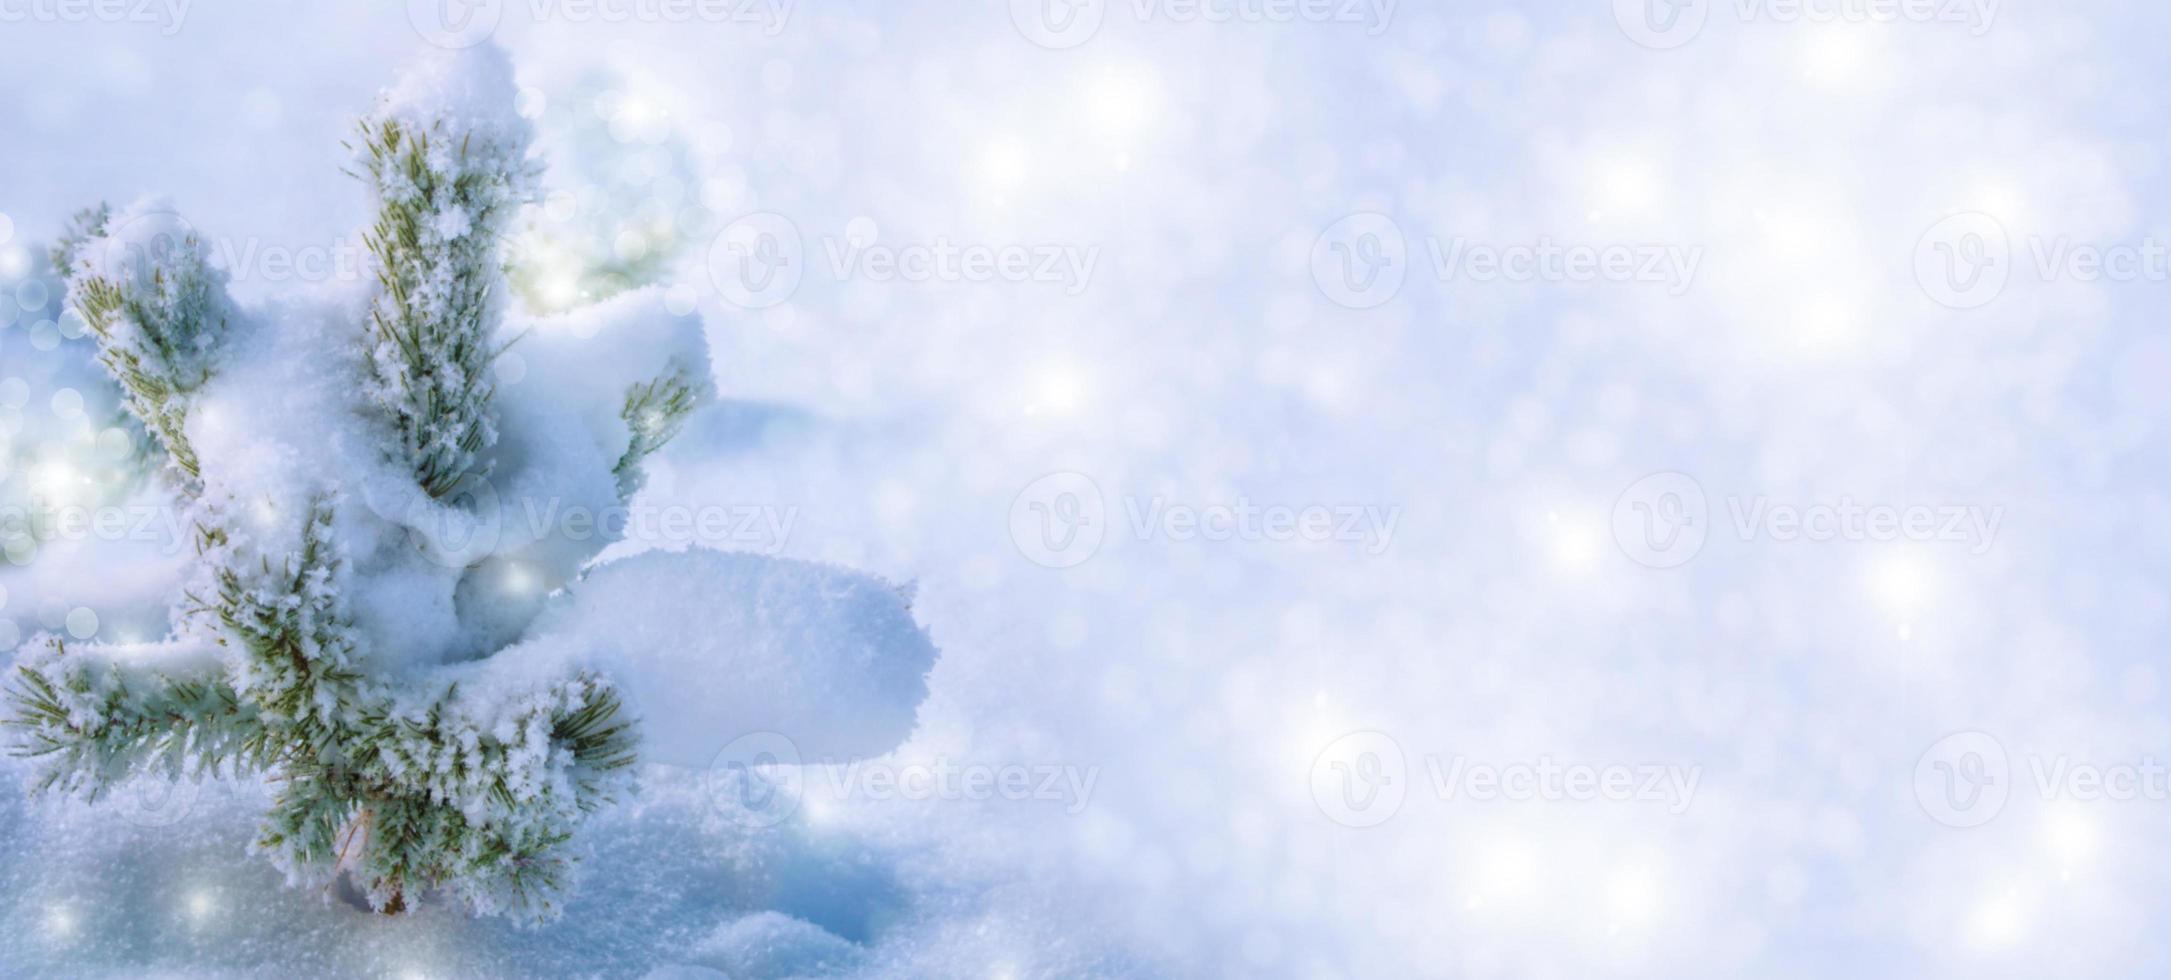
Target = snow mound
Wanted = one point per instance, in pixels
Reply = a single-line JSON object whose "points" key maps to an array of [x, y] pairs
{"points": [[769, 945], [710, 647], [561, 425]]}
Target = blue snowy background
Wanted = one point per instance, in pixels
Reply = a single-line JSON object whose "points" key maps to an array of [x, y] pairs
{"points": [[1763, 579]]}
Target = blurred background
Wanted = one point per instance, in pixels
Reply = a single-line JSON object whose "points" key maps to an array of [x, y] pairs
{"points": [[1596, 488]]}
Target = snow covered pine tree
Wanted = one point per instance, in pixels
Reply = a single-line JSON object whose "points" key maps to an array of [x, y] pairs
{"points": [[394, 615]]}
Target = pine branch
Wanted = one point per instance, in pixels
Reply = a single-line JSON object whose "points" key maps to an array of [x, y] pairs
{"points": [[655, 411], [147, 291], [94, 721], [85, 227], [442, 206]]}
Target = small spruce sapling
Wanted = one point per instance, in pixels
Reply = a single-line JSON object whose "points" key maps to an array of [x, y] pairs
{"points": [[407, 773]]}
